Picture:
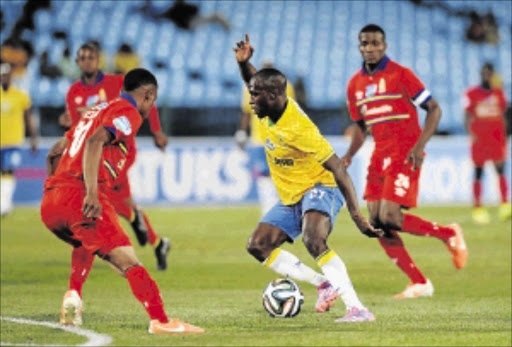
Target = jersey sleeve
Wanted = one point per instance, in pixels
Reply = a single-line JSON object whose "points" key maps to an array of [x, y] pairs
{"points": [[467, 102], [154, 120], [122, 124], [415, 89], [26, 101], [353, 110], [246, 107], [503, 101], [309, 140], [73, 112]]}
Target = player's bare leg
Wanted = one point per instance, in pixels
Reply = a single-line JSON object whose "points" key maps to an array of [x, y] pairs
{"points": [[505, 209], [145, 232], [480, 214], [264, 245], [145, 289], [316, 227]]}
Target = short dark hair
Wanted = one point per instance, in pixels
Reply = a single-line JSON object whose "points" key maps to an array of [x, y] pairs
{"points": [[273, 79], [488, 66], [138, 77], [87, 46], [373, 28]]}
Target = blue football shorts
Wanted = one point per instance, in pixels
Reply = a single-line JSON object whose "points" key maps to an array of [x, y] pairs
{"points": [[10, 158]]}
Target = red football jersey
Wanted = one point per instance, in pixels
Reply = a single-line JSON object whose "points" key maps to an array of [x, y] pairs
{"points": [[485, 109], [121, 118], [104, 89], [386, 100]]}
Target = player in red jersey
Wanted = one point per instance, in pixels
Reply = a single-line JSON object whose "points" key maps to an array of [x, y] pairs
{"points": [[77, 210], [93, 88], [383, 96], [485, 109]]}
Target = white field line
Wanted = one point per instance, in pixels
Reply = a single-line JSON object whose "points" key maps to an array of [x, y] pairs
{"points": [[93, 338]]}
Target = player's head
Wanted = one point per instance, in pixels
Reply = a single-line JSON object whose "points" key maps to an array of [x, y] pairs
{"points": [[268, 91], [5, 75], [142, 85], [486, 73], [87, 59], [372, 43]]}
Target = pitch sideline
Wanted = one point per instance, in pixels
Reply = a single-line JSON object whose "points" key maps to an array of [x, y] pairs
{"points": [[93, 338]]}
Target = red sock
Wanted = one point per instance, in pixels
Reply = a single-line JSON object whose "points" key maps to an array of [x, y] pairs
{"points": [[415, 225], [477, 193], [394, 248], [147, 292], [503, 188], [153, 237], [81, 263]]}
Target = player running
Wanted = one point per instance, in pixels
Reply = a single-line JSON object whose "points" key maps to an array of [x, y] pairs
{"points": [[384, 95], [77, 210], [485, 108], [93, 88], [306, 172]]}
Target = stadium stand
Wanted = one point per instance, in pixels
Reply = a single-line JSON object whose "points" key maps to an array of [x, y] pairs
{"points": [[314, 40]]}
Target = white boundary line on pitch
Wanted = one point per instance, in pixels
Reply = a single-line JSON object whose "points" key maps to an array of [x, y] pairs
{"points": [[93, 338]]}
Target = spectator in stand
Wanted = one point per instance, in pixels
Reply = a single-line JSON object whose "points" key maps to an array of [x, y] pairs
{"points": [[68, 66], [17, 53], [47, 69], [125, 60], [476, 30]]}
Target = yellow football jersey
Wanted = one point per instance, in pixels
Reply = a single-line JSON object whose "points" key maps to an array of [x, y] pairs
{"points": [[246, 108], [14, 102], [295, 151]]}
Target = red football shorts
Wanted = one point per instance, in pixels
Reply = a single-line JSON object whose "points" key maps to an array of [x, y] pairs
{"points": [[61, 212], [490, 144], [119, 194], [390, 179]]}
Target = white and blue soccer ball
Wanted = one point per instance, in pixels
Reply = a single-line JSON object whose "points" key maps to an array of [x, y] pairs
{"points": [[282, 298]]}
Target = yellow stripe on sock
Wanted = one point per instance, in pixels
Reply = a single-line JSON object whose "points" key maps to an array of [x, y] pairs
{"points": [[325, 257], [272, 257]]}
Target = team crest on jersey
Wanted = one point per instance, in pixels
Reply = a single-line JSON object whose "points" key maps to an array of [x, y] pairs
{"points": [[359, 95], [92, 100], [382, 86], [123, 125], [269, 145], [371, 90], [78, 100]]}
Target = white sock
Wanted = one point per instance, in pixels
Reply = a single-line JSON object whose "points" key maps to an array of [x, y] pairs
{"points": [[336, 272], [7, 185], [267, 194], [287, 264]]}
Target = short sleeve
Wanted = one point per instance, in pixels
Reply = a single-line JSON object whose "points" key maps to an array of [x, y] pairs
{"points": [[72, 110], [246, 107], [310, 140], [26, 101], [123, 123], [466, 102], [503, 100], [353, 110], [415, 89]]}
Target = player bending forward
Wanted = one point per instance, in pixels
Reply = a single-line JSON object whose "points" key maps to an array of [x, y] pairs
{"points": [[77, 210], [306, 171], [384, 95]]}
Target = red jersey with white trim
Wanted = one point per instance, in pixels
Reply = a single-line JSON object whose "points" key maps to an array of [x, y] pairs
{"points": [[485, 109], [121, 118], [386, 100], [104, 89]]}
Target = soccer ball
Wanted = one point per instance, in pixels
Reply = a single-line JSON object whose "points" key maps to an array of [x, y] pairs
{"points": [[282, 298]]}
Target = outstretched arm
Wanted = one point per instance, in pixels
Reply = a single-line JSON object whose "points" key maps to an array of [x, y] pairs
{"points": [[433, 115], [346, 187], [243, 52]]}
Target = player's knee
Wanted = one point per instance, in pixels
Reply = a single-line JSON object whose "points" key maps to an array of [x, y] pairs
{"points": [[258, 248], [390, 220], [315, 244]]}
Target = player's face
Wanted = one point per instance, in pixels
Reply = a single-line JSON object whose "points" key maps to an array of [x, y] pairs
{"points": [[149, 95], [88, 62], [260, 100], [372, 46]]}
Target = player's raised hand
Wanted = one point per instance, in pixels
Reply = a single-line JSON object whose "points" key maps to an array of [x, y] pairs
{"points": [[243, 50], [415, 157], [365, 227], [91, 207], [160, 140]]}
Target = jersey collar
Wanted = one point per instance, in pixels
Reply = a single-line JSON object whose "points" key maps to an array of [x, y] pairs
{"points": [[381, 67], [128, 98], [99, 78]]}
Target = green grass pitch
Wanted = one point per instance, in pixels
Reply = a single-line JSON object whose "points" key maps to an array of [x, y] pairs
{"points": [[214, 283]]}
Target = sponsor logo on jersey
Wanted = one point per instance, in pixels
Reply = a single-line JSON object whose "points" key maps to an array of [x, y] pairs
{"points": [[123, 125], [283, 161], [371, 90], [378, 110], [92, 100]]}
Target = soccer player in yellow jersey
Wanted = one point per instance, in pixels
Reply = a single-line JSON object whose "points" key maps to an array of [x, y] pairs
{"points": [[14, 116], [310, 180], [267, 194]]}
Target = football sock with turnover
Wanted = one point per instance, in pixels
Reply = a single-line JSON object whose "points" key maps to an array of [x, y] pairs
{"points": [[394, 248], [287, 264], [336, 272], [81, 264], [417, 226], [145, 289]]}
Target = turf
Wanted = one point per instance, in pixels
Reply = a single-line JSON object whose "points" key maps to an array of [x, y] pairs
{"points": [[214, 283]]}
